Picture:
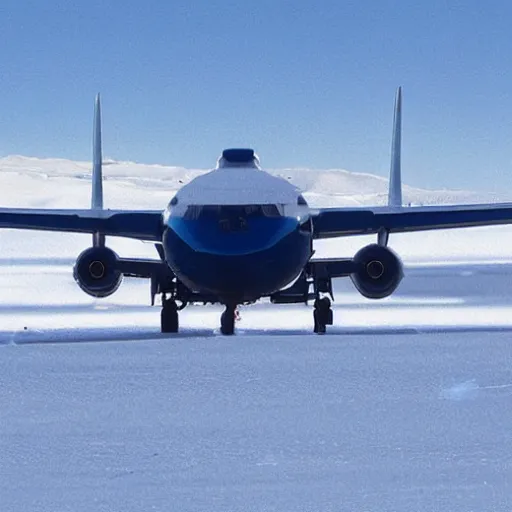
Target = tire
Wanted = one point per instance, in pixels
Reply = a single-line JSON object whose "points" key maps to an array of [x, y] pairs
{"points": [[227, 323], [169, 321], [324, 303], [322, 315], [318, 316]]}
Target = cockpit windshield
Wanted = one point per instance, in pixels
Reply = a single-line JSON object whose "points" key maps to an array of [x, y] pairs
{"points": [[195, 212], [232, 218]]}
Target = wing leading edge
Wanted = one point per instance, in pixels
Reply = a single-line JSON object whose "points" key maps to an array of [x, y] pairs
{"points": [[336, 222]]}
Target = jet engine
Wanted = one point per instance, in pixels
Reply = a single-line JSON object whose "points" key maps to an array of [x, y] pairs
{"points": [[96, 271], [378, 271]]}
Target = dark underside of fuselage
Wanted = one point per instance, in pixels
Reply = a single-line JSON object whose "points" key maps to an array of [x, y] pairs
{"points": [[240, 265]]}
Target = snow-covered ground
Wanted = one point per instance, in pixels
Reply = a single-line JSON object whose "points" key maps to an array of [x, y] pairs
{"points": [[404, 406]]}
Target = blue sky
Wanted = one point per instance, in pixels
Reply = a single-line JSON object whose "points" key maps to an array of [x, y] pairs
{"points": [[306, 83]]}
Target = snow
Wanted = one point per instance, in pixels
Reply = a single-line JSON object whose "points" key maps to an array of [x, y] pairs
{"points": [[377, 421], [403, 406], [142, 183]]}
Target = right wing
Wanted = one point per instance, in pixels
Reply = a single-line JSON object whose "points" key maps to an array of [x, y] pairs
{"points": [[394, 218], [335, 222]]}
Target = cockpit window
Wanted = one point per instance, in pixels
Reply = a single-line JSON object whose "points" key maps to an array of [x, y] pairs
{"points": [[174, 201], [301, 201], [194, 212]]}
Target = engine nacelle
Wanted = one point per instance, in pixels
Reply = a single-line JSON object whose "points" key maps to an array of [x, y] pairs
{"points": [[378, 271], [96, 271]]}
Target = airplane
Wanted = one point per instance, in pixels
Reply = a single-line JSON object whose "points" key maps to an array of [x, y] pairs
{"points": [[238, 234]]}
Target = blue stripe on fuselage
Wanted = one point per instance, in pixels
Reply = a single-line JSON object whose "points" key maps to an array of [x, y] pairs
{"points": [[209, 235]]}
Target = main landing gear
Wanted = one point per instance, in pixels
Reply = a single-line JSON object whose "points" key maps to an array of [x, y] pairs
{"points": [[322, 314], [169, 316], [227, 320], [319, 277]]}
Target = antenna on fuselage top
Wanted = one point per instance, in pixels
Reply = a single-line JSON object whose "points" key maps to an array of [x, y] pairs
{"points": [[98, 239], [395, 178]]}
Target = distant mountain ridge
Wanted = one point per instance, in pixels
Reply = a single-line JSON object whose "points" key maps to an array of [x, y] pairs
{"points": [[322, 187]]}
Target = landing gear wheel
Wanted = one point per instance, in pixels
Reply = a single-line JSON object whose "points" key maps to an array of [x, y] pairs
{"points": [[322, 315], [227, 321], [169, 316]]}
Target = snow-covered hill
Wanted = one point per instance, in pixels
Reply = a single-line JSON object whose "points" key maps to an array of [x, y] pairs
{"points": [[331, 187]]}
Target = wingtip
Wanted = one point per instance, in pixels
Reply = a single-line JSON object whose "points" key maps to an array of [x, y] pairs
{"points": [[395, 179], [97, 159]]}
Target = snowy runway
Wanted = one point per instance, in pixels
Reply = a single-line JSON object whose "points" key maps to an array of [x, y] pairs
{"points": [[405, 406]]}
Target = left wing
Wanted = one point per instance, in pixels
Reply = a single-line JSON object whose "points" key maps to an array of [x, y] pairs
{"points": [[335, 222], [142, 225]]}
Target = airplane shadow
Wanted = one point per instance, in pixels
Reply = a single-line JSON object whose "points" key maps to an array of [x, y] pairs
{"points": [[45, 309], [378, 330], [89, 335], [105, 335], [39, 261]]}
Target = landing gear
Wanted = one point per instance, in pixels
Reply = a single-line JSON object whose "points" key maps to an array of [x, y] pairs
{"points": [[227, 320], [322, 314], [169, 316]]}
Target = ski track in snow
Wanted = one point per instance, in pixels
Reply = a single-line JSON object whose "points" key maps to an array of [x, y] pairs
{"points": [[404, 406]]}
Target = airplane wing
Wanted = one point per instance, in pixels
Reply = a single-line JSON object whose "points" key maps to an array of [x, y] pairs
{"points": [[335, 222], [142, 225], [395, 218]]}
